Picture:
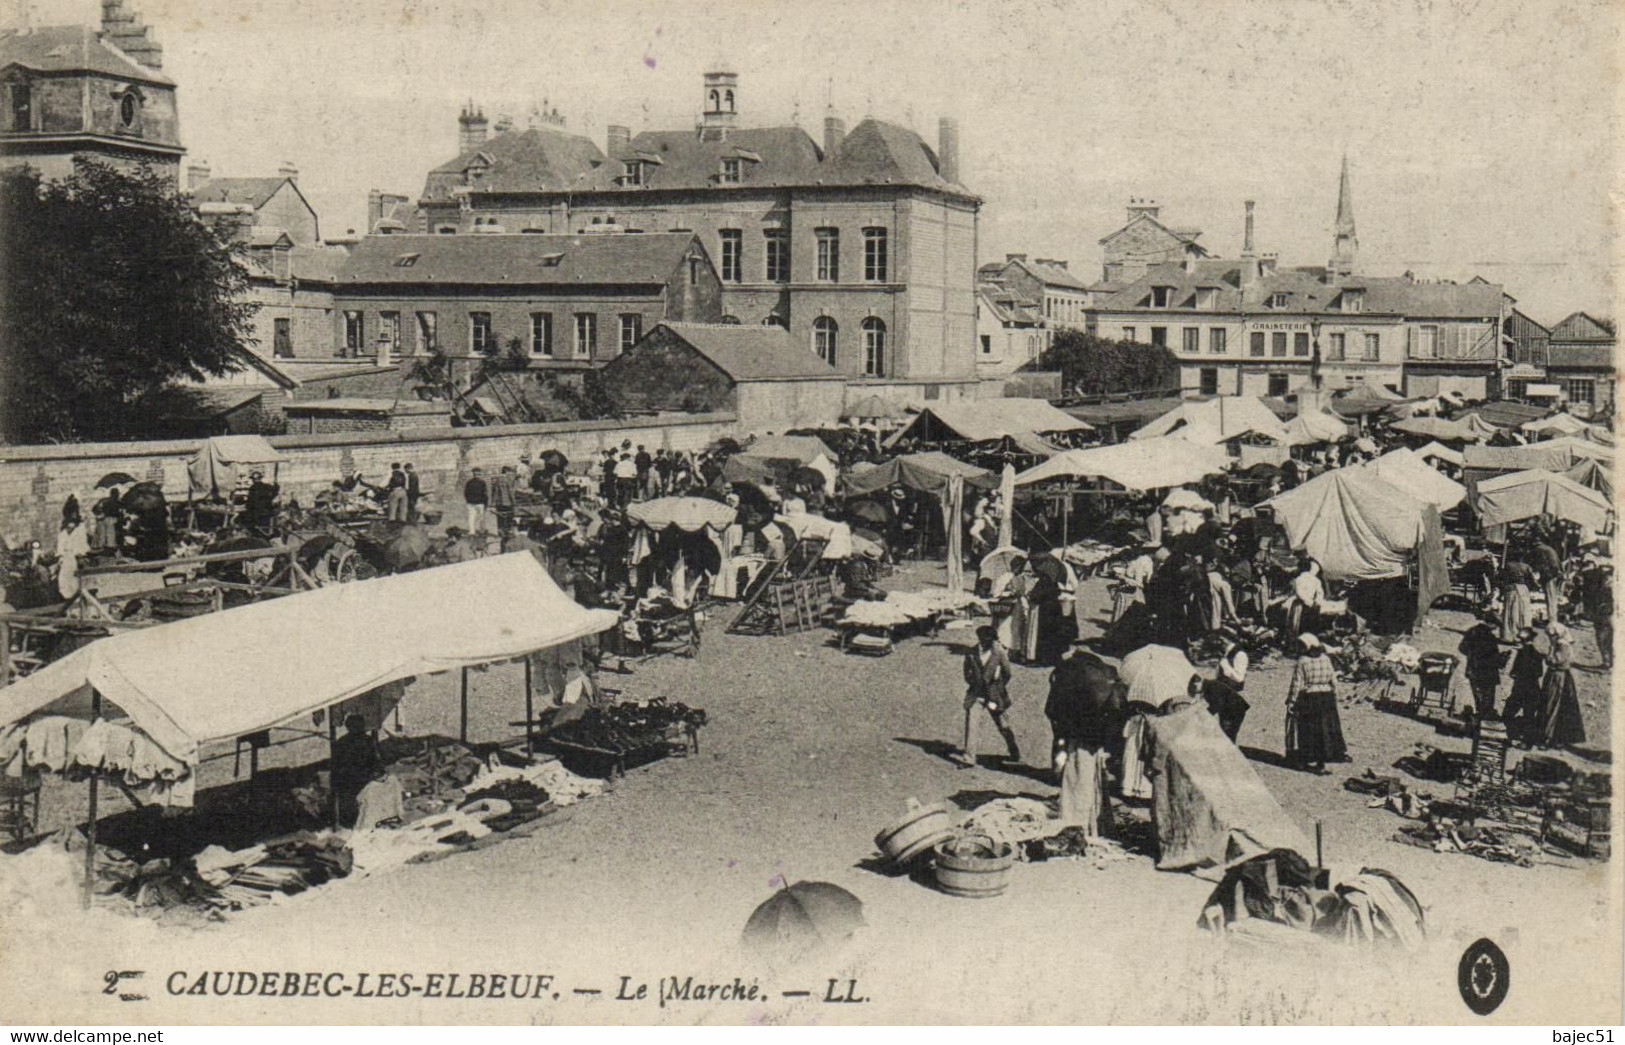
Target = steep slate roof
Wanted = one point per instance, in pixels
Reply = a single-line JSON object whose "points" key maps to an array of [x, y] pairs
{"points": [[316, 264], [516, 259], [1307, 291], [1006, 306], [1044, 271], [753, 353], [540, 159], [256, 192], [784, 155], [72, 49], [1580, 327]]}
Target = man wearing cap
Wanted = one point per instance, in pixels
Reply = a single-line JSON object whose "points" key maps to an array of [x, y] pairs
{"points": [[987, 680], [1481, 654], [259, 503]]}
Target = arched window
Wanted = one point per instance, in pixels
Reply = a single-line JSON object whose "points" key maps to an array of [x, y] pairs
{"points": [[874, 347], [716, 102], [824, 331], [730, 98], [732, 321]]}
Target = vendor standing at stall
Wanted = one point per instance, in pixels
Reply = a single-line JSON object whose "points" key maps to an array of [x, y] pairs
{"points": [[259, 503], [355, 762]]}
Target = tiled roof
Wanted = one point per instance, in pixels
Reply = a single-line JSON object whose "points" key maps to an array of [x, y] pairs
{"points": [[72, 49], [1186, 235], [784, 155], [753, 353], [1580, 327], [540, 159], [515, 258], [1307, 291], [255, 192], [1589, 357], [316, 264], [1008, 307]]}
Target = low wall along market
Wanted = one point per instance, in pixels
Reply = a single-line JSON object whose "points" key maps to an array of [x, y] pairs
{"points": [[36, 480]]}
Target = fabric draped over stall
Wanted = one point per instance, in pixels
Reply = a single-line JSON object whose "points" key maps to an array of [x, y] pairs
{"points": [[1357, 526], [1142, 464], [1525, 495], [215, 469], [225, 675], [1407, 470]]}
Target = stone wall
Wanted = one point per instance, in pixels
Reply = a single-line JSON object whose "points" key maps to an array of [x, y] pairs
{"points": [[36, 480]]}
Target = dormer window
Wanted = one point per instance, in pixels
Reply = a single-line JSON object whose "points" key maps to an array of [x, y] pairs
{"points": [[632, 173], [1353, 301], [1207, 299], [730, 171], [1278, 300], [406, 261], [1162, 297]]}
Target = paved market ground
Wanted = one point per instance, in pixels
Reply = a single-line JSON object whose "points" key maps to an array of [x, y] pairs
{"points": [[808, 752]]}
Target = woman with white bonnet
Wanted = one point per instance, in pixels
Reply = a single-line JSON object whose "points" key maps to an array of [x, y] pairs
{"points": [[1560, 721], [1223, 692]]}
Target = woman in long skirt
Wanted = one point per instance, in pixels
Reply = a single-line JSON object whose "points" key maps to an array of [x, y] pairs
{"points": [[1314, 732], [1517, 608], [1522, 710], [1560, 720]]}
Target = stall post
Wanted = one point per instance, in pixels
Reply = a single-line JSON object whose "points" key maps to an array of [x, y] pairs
{"points": [[332, 743], [90, 824], [462, 725], [530, 713]]}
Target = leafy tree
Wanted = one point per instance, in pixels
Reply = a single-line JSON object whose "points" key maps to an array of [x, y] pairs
{"points": [[112, 291], [1091, 365]]}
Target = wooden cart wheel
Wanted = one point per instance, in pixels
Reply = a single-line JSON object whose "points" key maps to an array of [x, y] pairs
{"points": [[345, 567]]}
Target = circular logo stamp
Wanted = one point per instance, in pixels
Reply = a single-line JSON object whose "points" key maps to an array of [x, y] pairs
{"points": [[1484, 977]]}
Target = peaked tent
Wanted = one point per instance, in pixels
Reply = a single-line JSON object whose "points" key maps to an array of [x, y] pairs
{"points": [[267, 663], [1355, 524], [988, 419], [1406, 470], [1561, 424], [1440, 452], [1316, 426], [871, 407], [1593, 475], [1366, 400], [215, 468], [927, 472], [802, 449], [1216, 420], [1526, 495], [1144, 464], [1578, 448], [1440, 430]]}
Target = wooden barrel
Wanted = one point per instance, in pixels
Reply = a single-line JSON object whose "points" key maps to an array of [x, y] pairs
{"points": [[975, 867], [920, 829]]}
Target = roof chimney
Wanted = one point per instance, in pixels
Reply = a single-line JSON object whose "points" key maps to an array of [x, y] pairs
{"points": [[617, 137], [1015, 257], [124, 30], [948, 149], [375, 208], [197, 175], [504, 123], [1138, 205], [1249, 258], [834, 134], [471, 126], [289, 171], [1247, 238]]}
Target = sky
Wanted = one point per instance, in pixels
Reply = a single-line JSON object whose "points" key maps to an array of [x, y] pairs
{"points": [[1480, 133]]}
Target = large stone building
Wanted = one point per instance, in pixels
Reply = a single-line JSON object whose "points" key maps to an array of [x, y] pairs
{"points": [[863, 245], [71, 90], [1250, 327], [1142, 242]]}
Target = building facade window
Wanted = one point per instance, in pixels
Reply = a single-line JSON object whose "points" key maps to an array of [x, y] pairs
{"points": [[1208, 381], [480, 338], [354, 334], [987, 344], [389, 329], [541, 333], [1353, 301], [1336, 346], [1278, 344], [1277, 385], [875, 261], [729, 175], [1193, 340], [874, 347], [1128, 333], [1217, 338], [22, 107], [1256, 347], [1278, 301], [586, 334], [282, 340], [1161, 297], [1032, 346], [829, 255], [1582, 390], [733, 250], [1159, 337], [778, 256], [631, 329], [824, 331], [426, 333], [1300, 344], [1427, 342], [1373, 347]]}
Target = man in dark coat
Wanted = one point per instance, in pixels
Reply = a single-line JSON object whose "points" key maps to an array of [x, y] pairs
{"points": [[259, 503], [1597, 602], [1086, 712], [987, 680], [414, 490], [1482, 658]]}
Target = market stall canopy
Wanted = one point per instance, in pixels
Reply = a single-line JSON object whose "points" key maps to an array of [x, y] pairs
{"points": [[873, 407], [1355, 524], [1364, 401], [224, 675], [1593, 475], [1560, 424], [1406, 470], [1316, 426], [213, 471], [1143, 464], [1579, 448], [988, 419], [927, 472], [1536, 492], [1554, 455], [1506, 414], [1216, 420], [837, 536], [689, 514], [1440, 452], [802, 449], [1440, 430], [1136, 411]]}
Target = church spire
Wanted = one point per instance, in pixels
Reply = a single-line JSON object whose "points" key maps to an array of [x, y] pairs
{"points": [[1345, 243]]}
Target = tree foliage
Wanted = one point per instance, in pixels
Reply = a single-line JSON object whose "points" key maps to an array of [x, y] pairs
{"points": [[1091, 365], [110, 291]]}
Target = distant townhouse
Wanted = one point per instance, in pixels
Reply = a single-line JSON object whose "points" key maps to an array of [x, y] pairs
{"points": [[1144, 241], [1010, 330], [1581, 363], [863, 246], [1062, 297]]}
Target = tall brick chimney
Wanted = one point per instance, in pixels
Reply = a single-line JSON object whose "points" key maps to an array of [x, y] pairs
{"points": [[471, 126], [617, 137], [1249, 253], [948, 149], [124, 30], [834, 134]]}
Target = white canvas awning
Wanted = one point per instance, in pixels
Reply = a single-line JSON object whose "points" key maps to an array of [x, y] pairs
{"points": [[1528, 494], [1143, 464], [1407, 470], [212, 678]]}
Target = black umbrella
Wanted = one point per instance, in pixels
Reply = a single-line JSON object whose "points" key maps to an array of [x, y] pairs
{"points": [[554, 459], [143, 498], [804, 916], [115, 479]]}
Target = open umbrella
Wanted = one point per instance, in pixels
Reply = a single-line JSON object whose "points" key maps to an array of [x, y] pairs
{"points": [[554, 459], [115, 479], [804, 916], [997, 563], [685, 513], [144, 497], [1155, 674]]}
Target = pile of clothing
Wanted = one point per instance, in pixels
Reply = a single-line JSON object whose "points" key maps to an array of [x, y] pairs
{"points": [[1278, 890], [111, 747], [626, 727], [1507, 845]]}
